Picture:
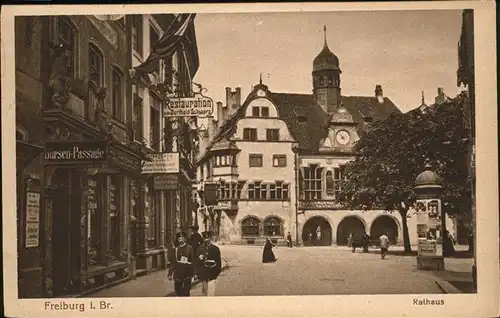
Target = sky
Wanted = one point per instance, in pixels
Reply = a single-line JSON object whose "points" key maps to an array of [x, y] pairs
{"points": [[406, 52]]}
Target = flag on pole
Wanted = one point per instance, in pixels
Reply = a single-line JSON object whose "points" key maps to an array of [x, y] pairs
{"points": [[167, 45]]}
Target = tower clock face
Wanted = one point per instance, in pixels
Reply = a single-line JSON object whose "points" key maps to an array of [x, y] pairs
{"points": [[343, 137], [261, 93]]}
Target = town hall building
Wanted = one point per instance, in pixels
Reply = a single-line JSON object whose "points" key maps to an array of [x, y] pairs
{"points": [[279, 160]]}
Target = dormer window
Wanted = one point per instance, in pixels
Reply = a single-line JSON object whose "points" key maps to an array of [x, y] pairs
{"points": [[265, 111], [255, 111]]}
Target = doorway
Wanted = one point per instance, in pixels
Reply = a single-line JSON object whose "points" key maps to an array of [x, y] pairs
{"points": [[350, 224], [66, 232], [317, 232], [384, 224]]}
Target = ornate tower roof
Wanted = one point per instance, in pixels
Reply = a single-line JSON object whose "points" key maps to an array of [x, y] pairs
{"points": [[326, 60]]}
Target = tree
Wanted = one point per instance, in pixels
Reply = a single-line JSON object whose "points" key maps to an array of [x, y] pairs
{"points": [[391, 154]]}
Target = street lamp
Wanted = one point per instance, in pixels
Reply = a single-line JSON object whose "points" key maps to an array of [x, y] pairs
{"points": [[295, 149]]}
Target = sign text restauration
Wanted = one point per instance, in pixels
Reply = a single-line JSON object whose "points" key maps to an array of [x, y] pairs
{"points": [[198, 106]]}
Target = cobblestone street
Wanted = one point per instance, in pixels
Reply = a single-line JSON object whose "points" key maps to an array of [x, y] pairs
{"points": [[304, 271]]}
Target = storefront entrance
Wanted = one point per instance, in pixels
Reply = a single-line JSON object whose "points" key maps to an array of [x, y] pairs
{"points": [[66, 232], [317, 232], [350, 224]]}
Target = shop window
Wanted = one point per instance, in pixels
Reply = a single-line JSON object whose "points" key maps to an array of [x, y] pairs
{"points": [[279, 160], [312, 182], [250, 226], [272, 134], [255, 160], [272, 226], [115, 216], [250, 134], [94, 218], [117, 94]]}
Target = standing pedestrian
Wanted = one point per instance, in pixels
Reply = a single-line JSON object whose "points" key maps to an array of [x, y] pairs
{"points": [[181, 267], [289, 239], [384, 245], [353, 243], [349, 240], [208, 264], [365, 242], [195, 240]]}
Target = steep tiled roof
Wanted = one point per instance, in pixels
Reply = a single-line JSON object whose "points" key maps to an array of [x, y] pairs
{"points": [[307, 121]]}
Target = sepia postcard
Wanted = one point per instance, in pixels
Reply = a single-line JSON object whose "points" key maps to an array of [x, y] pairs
{"points": [[284, 160]]}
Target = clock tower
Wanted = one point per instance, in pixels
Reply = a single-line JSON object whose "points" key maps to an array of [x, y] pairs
{"points": [[326, 79], [342, 133]]}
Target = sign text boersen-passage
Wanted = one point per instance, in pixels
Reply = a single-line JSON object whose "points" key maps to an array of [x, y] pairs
{"points": [[189, 106], [75, 152]]}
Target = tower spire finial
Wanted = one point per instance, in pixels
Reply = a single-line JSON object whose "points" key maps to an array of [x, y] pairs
{"points": [[260, 80], [423, 98], [324, 31]]}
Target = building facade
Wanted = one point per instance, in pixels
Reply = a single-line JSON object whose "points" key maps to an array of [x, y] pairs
{"points": [[316, 139], [169, 200], [83, 202]]}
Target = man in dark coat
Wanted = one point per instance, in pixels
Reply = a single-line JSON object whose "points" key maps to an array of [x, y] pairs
{"points": [[181, 267], [195, 240], [208, 264], [289, 240]]}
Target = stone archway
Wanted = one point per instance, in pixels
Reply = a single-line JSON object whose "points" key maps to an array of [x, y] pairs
{"points": [[384, 224], [320, 230], [350, 224]]}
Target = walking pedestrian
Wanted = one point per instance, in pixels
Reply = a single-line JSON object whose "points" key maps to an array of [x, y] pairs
{"points": [[349, 240], [384, 245], [289, 239], [181, 267], [208, 264], [267, 254]]}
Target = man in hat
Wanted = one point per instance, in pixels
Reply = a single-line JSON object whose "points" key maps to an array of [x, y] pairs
{"points": [[195, 240], [208, 264], [181, 267]]}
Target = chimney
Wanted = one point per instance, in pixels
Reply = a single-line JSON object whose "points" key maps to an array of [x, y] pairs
{"points": [[379, 94], [222, 111]]}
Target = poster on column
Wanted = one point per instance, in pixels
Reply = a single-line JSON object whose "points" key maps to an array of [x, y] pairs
{"points": [[32, 219]]}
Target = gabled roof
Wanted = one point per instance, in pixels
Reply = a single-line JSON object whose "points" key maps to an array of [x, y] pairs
{"points": [[307, 121]]}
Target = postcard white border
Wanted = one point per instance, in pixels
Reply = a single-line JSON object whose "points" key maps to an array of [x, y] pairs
{"points": [[484, 303]]}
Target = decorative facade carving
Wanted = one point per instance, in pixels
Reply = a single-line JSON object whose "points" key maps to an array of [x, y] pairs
{"points": [[60, 79]]}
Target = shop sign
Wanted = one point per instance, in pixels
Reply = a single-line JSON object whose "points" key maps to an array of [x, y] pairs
{"points": [[76, 152], [161, 163], [198, 106], [32, 219], [166, 182]]}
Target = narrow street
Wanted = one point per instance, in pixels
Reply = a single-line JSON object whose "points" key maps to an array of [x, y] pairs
{"points": [[303, 271]]}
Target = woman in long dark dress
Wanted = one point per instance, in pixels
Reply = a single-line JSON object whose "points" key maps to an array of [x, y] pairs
{"points": [[268, 255]]}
